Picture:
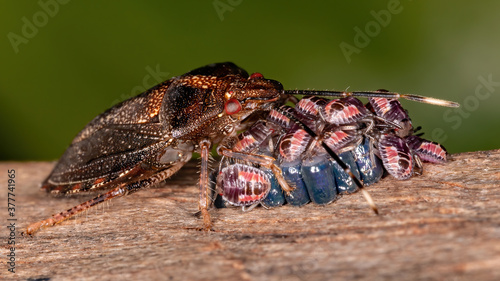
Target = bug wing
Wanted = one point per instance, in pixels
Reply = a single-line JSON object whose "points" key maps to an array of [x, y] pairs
{"points": [[112, 145], [107, 152]]}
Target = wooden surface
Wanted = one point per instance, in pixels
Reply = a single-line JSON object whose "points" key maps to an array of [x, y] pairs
{"points": [[444, 225]]}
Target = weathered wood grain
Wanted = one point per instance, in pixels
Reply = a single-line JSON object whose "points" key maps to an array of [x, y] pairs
{"points": [[444, 225]]}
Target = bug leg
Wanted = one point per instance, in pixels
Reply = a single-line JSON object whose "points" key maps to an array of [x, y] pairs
{"points": [[249, 208], [120, 190], [204, 200], [355, 143], [116, 192], [62, 216], [372, 153], [419, 167], [389, 124]]}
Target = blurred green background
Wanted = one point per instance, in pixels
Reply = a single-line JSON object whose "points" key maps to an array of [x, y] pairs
{"points": [[62, 63]]}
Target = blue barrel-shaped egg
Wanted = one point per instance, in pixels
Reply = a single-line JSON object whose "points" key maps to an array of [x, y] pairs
{"points": [[219, 203], [275, 197], [292, 174], [319, 180], [345, 183], [371, 172]]}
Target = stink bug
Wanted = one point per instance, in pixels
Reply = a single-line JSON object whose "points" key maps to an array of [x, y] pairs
{"points": [[144, 140]]}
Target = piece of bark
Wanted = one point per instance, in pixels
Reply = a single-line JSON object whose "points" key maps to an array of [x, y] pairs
{"points": [[444, 225]]}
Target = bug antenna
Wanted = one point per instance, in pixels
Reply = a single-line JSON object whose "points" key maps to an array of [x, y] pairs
{"points": [[292, 99], [360, 185], [374, 94], [337, 159]]}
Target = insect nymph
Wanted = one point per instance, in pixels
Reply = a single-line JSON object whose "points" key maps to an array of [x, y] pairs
{"points": [[144, 140]]}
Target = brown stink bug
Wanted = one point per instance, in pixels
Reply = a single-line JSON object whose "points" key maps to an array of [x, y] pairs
{"points": [[144, 140]]}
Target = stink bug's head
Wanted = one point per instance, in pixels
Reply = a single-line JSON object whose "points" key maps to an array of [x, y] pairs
{"points": [[254, 93]]}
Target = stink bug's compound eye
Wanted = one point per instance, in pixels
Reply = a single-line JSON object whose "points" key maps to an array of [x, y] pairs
{"points": [[256, 75], [232, 106]]}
